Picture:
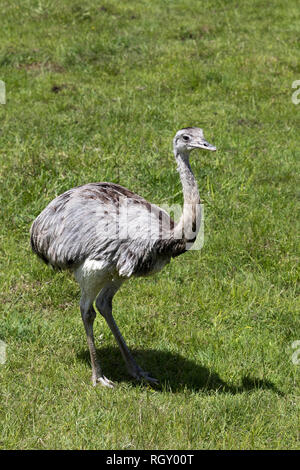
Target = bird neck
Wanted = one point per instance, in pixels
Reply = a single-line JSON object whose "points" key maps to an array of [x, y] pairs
{"points": [[189, 223]]}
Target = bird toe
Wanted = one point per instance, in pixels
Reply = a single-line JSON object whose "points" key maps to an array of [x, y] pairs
{"points": [[143, 375], [104, 381]]}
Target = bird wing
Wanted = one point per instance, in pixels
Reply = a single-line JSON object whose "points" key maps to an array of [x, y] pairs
{"points": [[102, 221]]}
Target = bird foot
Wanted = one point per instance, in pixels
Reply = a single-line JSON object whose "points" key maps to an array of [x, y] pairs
{"points": [[140, 374], [102, 380]]}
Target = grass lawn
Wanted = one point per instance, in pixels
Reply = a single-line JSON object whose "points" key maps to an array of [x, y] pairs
{"points": [[95, 91]]}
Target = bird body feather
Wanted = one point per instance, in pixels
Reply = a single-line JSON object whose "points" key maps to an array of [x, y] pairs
{"points": [[104, 222]]}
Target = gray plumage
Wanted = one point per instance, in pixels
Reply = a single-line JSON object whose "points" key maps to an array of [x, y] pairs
{"points": [[105, 234], [87, 222]]}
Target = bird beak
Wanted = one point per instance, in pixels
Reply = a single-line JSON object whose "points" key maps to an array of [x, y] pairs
{"points": [[203, 144]]}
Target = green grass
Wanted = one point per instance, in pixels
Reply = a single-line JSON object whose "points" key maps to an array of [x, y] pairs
{"points": [[95, 92]]}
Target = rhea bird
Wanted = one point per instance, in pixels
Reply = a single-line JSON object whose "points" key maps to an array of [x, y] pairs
{"points": [[105, 234]]}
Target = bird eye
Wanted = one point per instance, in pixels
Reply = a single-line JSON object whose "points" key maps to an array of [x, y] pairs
{"points": [[185, 137]]}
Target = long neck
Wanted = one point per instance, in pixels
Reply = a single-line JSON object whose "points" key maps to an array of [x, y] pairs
{"points": [[189, 223]]}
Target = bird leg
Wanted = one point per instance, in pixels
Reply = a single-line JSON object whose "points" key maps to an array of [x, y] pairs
{"points": [[104, 305], [88, 315]]}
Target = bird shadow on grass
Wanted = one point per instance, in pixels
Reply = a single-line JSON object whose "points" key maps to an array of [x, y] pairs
{"points": [[174, 372]]}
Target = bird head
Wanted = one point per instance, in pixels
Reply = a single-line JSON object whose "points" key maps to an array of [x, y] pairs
{"points": [[189, 139]]}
